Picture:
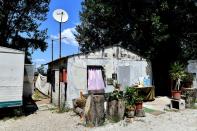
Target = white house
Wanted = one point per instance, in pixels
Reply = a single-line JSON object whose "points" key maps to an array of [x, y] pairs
{"points": [[115, 63]]}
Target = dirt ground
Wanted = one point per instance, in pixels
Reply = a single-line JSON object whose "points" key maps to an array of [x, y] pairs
{"points": [[50, 120]]}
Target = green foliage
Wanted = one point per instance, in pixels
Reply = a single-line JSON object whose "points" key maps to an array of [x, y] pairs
{"points": [[177, 71], [41, 70], [163, 31], [153, 29], [130, 96], [188, 77], [20, 22], [116, 95], [139, 98]]}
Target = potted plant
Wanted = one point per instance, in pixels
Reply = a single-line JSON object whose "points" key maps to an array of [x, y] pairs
{"points": [[177, 73], [130, 97], [115, 106], [139, 102], [187, 80]]}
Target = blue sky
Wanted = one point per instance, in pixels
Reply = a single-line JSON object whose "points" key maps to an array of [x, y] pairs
{"points": [[69, 45]]}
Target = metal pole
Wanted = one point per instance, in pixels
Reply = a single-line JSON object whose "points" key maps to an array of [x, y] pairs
{"points": [[59, 68], [60, 61], [51, 69]]}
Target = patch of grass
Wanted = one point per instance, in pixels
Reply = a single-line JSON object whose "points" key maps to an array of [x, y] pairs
{"points": [[52, 109], [153, 112], [38, 95], [148, 110], [172, 110], [63, 110], [194, 107]]}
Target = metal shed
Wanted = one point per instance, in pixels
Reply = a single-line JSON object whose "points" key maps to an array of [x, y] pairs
{"points": [[11, 77]]}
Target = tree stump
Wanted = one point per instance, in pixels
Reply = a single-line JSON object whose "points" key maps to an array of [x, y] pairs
{"points": [[115, 110], [190, 96], [94, 110]]}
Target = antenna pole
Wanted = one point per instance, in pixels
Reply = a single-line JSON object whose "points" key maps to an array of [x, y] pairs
{"points": [[60, 55], [52, 68]]}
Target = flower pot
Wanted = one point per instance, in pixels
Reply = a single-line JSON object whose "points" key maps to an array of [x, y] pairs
{"points": [[130, 114], [176, 94], [138, 105], [187, 84]]}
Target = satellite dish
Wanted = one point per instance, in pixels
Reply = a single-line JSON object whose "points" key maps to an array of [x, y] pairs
{"points": [[60, 15]]}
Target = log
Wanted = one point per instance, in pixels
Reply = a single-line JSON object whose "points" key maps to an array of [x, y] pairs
{"points": [[94, 110], [115, 110], [79, 111]]}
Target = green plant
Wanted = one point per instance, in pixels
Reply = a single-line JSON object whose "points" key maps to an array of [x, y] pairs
{"points": [[116, 95], [139, 98], [188, 77], [130, 107], [177, 73], [130, 96]]}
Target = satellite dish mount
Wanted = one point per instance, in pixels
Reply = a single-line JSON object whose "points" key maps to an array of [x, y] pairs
{"points": [[60, 16]]}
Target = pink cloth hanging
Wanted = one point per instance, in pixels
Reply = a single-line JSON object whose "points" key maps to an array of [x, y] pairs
{"points": [[95, 80]]}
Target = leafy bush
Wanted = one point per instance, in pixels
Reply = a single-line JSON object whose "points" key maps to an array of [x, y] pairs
{"points": [[177, 71], [116, 95], [188, 77], [130, 95]]}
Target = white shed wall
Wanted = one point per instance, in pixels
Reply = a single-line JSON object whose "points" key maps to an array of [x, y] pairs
{"points": [[11, 76], [111, 59]]}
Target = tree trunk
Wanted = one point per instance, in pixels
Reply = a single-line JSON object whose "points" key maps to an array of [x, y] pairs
{"points": [[161, 78], [94, 110], [115, 110]]}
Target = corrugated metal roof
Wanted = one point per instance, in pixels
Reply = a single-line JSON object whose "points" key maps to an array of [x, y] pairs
{"points": [[86, 53]]}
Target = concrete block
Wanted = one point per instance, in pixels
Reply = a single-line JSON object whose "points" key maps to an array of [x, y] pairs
{"points": [[178, 104]]}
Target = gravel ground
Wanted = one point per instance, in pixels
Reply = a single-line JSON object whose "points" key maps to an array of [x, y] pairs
{"points": [[51, 121]]}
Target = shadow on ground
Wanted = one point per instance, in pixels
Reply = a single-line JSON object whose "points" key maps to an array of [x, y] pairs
{"points": [[29, 107]]}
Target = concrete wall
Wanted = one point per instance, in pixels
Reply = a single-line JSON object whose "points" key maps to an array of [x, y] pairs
{"points": [[28, 84], [192, 68], [113, 60], [55, 93]]}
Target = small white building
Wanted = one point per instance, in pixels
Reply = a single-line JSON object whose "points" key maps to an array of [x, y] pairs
{"points": [[11, 77], [115, 63], [192, 68]]}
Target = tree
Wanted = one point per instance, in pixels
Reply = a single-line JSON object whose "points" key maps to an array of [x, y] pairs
{"points": [[20, 22], [41, 70], [160, 30]]}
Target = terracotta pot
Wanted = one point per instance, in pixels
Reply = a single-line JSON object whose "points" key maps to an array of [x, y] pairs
{"points": [[130, 114], [139, 105], [176, 94], [187, 84]]}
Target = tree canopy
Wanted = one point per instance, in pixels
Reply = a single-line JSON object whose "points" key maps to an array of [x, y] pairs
{"points": [[152, 28], [20, 22], [163, 31]]}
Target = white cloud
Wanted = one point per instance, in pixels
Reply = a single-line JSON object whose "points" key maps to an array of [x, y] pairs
{"points": [[39, 60], [67, 36]]}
